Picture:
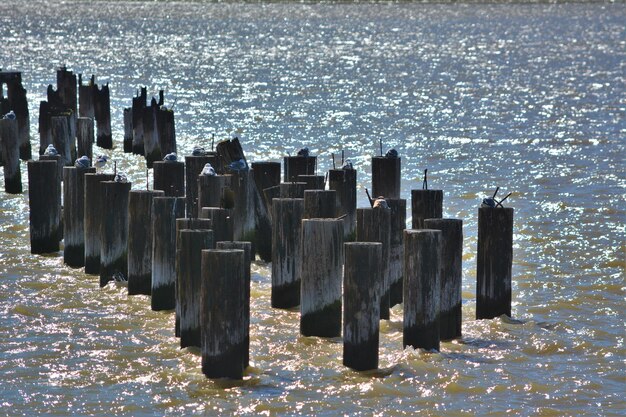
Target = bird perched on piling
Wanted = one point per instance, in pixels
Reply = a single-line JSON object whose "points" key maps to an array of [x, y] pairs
{"points": [[51, 151], [9, 116], [238, 165], [391, 153], [347, 165], [82, 162], [120, 177], [171, 157], [304, 152], [101, 161], [208, 170], [198, 151], [380, 202]]}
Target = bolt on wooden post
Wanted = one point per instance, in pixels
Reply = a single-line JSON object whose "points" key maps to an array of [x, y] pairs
{"points": [[494, 262], [361, 314], [320, 293], [422, 288], [450, 317]]}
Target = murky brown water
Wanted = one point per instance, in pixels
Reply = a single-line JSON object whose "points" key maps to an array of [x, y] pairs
{"points": [[528, 98]]}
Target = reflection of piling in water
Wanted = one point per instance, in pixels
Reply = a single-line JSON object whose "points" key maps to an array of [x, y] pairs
{"points": [[361, 307], [74, 215], [494, 262], [422, 288], [45, 211]]}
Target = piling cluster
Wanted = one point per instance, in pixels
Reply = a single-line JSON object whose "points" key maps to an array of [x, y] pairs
{"points": [[189, 242]]}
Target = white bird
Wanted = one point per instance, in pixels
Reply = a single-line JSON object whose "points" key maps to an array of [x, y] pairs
{"points": [[208, 170], [51, 150], [120, 177], [198, 151], [101, 161], [83, 162], [171, 157], [10, 115], [380, 202], [347, 165]]}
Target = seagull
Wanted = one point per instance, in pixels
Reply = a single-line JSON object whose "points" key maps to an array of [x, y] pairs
{"points": [[208, 170], [83, 162], [347, 165], [198, 151], [10, 116], [51, 150], [120, 177], [101, 161], [171, 157], [303, 152], [488, 202], [391, 153], [238, 165], [380, 202]]}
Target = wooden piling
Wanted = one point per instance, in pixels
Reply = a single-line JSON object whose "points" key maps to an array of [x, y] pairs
{"points": [[361, 314], [269, 194], [86, 98], [422, 288], [102, 109], [94, 217], [210, 188], [190, 244], [140, 204], [9, 140], [61, 138], [313, 182], [248, 255], [221, 222], [84, 136], [320, 204], [139, 103], [169, 176], [114, 232], [16, 101], [165, 211], [223, 310], [320, 291], [74, 215], [44, 210], [374, 225], [152, 150], [450, 276], [193, 168], [58, 159], [343, 181], [266, 175], [396, 249], [243, 211], [386, 177], [166, 130], [128, 129], [292, 189], [286, 251], [298, 165], [494, 262], [425, 204]]}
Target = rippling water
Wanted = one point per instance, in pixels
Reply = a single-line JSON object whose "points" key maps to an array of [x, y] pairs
{"points": [[528, 98]]}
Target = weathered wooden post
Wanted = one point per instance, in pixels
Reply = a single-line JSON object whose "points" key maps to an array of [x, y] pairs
{"points": [[166, 130], [60, 164], [243, 212], [94, 216], [396, 249], [247, 250], [269, 194], [286, 251], [11, 156], [140, 204], [61, 138], [494, 262], [221, 223], [86, 97], [320, 204], [17, 102], [374, 225], [223, 324], [193, 168], [386, 177], [128, 129], [320, 293], [152, 150], [74, 215], [361, 313], [343, 181], [169, 176], [139, 103], [102, 109], [266, 175], [450, 316], [425, 204], [165, 211], [298, 165], [210, 190], [84, 136], [292, 189], [114, 234], [190, 244], [45, 212], [422, 288], [313, 182]]}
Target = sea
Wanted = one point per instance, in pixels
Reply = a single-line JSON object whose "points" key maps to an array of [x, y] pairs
{"points": [[530, 98]]}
